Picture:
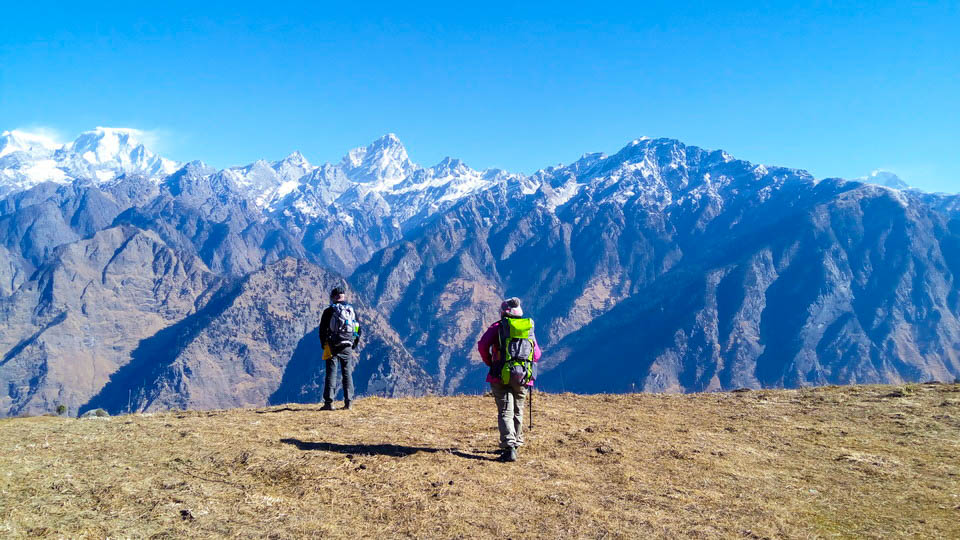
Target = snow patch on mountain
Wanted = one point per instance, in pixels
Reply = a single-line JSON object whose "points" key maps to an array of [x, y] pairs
{"points": [[34, 144], [557, 197]]}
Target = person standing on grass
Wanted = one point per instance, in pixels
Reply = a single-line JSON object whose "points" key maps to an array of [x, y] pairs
{"points": [[339, 336], [510, 348]]}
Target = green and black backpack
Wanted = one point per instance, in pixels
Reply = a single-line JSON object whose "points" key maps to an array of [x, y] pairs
{"points": [[516, 349]]}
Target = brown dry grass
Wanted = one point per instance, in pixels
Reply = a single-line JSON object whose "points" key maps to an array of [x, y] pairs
{"points": [[874, 461]]}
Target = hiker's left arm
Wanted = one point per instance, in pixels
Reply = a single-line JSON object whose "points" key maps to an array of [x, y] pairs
{"points": [[486, 341]]}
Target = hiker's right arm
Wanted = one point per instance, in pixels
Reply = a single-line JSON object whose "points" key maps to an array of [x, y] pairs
{"points": [[324, 326]]}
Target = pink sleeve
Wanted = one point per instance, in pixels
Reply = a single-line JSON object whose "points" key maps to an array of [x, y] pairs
{"points": [[536, 352], [489, 339]]}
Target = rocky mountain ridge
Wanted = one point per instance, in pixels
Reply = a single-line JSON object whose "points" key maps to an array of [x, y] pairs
{"points": [[683, 269], [750, 276]]}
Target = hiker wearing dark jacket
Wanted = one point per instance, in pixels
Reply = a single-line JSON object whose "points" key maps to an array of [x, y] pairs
{"points": [[510, 348], [339, 336]]}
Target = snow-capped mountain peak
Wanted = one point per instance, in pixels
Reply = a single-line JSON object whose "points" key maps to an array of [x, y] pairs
{"points": [[384, 161], [884, 178], [106, 142], [99, 155], [292, 167], [296, 158], [116, 150], [451, 166]]}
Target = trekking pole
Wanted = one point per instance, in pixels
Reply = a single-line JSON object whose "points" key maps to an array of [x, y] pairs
{"points": [[531, 408]]}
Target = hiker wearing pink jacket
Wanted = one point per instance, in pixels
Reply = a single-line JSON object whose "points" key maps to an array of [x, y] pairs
{"points": [[510, 348]]}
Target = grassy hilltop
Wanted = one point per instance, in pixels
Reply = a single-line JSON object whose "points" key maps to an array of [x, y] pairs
{"points": [[874, 461]]}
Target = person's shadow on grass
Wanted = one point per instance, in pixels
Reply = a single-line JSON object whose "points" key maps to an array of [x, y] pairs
{"points": [[392, 450]]}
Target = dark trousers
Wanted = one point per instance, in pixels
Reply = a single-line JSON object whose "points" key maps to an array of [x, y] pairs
{"points": [[345, 358]]}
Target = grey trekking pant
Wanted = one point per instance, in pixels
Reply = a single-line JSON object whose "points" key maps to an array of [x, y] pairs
{"points": [[345, 359], [510, 408]]}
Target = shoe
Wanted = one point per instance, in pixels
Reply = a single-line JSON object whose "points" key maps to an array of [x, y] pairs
{"points": [[511, 454], [327, 407], [346, 405]]}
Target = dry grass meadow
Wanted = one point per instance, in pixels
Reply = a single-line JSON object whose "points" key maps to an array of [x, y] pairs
{"points": [[866, 461]]}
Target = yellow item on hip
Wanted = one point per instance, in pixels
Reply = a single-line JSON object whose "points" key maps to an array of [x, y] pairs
{"points": [[326, 352]]}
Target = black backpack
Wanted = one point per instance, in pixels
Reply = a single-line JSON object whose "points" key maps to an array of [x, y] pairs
{"points": [[344, 328]]}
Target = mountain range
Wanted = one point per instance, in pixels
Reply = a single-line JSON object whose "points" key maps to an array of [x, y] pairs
{"points": [[131, 282]]}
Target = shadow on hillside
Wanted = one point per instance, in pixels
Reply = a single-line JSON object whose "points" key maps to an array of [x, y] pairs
{"points": [[392, 450], [151, 368], [19, 347]]}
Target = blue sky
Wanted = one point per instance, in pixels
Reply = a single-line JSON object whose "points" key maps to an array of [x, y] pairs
{"points": [[837, 88]]}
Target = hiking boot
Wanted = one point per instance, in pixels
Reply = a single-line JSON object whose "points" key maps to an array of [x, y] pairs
{"points": [[327, 407], [346, 405], [511, 454]]}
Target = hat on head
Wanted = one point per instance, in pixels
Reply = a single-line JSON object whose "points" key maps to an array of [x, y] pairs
{"points": [[511, 308]]}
